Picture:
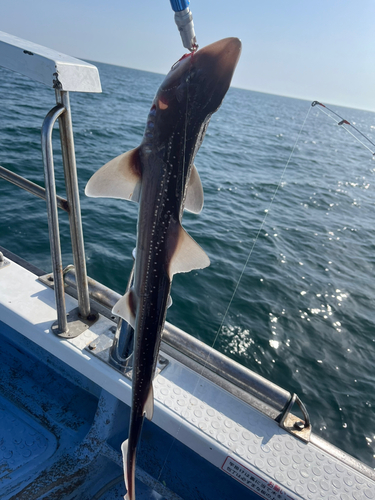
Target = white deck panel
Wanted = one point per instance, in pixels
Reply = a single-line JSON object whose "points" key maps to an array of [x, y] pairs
{"points": [[54, 69], [221, 428]]}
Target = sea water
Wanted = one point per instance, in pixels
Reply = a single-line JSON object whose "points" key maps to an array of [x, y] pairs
{"points": [[301, 311]]}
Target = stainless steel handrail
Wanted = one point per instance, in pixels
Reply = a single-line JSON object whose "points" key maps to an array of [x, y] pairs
{"points": [[72, 205], [31, 187], [53, 220], [72, 193], [63, 73]]}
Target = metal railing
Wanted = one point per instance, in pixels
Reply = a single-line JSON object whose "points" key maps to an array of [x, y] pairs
{"points": [[71, 205], [64, 74], [31, 187]]}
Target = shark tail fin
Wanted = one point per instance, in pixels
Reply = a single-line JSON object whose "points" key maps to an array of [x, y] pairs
{"points": [[119, 178]]}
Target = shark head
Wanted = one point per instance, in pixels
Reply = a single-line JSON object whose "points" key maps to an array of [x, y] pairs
{"points": [[196, 84]]}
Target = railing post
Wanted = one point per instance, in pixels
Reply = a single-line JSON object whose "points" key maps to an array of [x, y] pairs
{"points": [[72, 194], [53, 222]]}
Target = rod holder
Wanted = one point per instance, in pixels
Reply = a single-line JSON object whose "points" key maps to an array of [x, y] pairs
{"points": [[121, 351]]}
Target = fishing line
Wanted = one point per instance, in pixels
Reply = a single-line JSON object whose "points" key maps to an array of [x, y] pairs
{"points": [[186, 120], [343, 122], [183, 175], [200, 374], [257, 236]]}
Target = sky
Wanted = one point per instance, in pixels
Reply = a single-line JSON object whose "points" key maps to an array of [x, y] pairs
{"points": [[318, 50]]}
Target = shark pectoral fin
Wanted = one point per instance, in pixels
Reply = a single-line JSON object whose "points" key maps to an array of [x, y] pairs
{"points": [[187, 254], [149, 406], [119, 178], [126, 307], [194, 194]]}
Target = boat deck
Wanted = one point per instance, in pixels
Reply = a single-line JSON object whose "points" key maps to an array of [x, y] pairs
{"points": [[67, 419]]}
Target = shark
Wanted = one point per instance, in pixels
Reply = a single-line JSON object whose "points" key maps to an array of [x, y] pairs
{"points": [[161, 176]]}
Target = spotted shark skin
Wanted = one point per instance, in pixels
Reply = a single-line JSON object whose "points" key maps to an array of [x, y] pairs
{"points": [[161, 176]]}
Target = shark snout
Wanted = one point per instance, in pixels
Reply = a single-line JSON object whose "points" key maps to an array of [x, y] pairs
{"points": [[224, 54], [217, 63]]}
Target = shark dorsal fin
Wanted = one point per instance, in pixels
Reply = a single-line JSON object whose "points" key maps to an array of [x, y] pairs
{"points": [[194, 193], [186, 254], [119, 178]]}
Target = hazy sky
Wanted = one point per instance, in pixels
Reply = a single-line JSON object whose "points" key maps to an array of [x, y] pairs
{"points": [[318, 49]]}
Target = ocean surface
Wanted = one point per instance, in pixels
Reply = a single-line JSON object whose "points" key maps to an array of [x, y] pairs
{"points": [[303, 313]]}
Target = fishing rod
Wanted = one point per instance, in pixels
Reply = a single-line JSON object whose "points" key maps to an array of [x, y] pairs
{"points": [[343, 122]]}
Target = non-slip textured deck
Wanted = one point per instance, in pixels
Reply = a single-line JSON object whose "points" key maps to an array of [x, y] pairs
{"points": [[256, 447], [260, 454]]}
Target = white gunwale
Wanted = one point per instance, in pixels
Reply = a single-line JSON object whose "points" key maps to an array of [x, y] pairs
{"points": [[41, 64]]}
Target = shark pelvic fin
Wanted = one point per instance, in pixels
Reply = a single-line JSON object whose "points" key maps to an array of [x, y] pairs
{"points": [[126, 307], [119, 178], [149, 406], [187, 254], [194, 194], [124, 451]]}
